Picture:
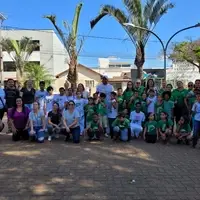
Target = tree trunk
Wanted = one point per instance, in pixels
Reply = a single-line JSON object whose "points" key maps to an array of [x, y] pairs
{"points": [[72, 74], [139, 61]]}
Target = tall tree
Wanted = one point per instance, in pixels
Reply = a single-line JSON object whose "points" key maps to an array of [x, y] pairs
{"points": [[37, 73], [20, 52], [146, 16], [188, 51], [70, 41]]}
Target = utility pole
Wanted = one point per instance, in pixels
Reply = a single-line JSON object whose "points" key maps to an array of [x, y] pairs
{"points": [[2, 18]]}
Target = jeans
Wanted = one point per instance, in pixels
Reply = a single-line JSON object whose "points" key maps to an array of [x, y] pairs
{"points": [[123, 133], [110, 121], [39, 135], [2, 110], [75, 134], [29, 106], [196, 132]]}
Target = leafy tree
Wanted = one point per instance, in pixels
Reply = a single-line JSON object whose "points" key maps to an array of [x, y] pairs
{"points": [[20, 52], [38, 73], [146, 16], [188, 51], [70, 41]]}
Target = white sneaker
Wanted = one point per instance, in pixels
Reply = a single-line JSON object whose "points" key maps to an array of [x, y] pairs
{"points": [[106, 135], [49, 138]]}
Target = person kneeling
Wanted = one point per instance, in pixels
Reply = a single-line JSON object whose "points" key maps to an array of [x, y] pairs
{"points": [[165, 127], [120, 128], [150, 130], [94, 129], [183, 130]]}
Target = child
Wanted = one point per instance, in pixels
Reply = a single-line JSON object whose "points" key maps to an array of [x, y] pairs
{"points": [[96, 98], [112, 113], [159, 107], [120, 99], [102, 111], [134, 100], [49, 99], [137, 119], [165, 127], [120, 128], [168, 105], [89, 110], [94, 129], [151, 100], [150, 130], [183, 130], [80, 104], [60, 99], [196, 112], [144, 103]]}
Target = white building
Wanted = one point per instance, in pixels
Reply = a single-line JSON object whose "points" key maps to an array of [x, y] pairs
{"points": [[184, 72], [51, 52]]}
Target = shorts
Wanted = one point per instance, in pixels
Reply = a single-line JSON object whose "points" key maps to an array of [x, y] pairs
{"points": [[104, 121]]}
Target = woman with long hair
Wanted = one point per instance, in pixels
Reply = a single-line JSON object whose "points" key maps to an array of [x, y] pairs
{"points": [[128, 93], [151, 86], [18, 117], [85, 94]]}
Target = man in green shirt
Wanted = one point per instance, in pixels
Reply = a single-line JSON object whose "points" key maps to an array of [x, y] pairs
{"points": [[120, 128]]}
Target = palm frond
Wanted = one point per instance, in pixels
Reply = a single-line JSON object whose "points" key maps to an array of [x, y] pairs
{"points": [[148, 10]]}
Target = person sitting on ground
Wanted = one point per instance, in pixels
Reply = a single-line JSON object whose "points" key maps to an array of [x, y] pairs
{"points": [[150, 130], [37, 123], [18, 116], [165, 127], [54, 121], [120, 128], [137, 119], [94, 130], [183, 130]]}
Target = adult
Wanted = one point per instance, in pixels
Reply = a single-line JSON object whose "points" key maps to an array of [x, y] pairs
{"points": [[18, 117], [85, 94], [54, 121], [10, 95], [151, 86], [37, 123], [41, 94], [128, 92], [178, 96], [71, 122], [61, 98], [105, 87], [28, 94], [70, 95], [140, 88], [2, 103], [163, 87], [197, 84], [169, 87]]}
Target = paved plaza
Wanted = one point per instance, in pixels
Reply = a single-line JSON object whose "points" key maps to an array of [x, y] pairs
{"points": [[98, 171]]}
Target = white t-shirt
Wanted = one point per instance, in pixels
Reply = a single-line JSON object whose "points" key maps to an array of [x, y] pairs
{"points": [[151, 106], [60, 100], [106, 89], [112, 112], [40, 96], [137, 118], [196, 109], [79, 104], [49, 102], [2, 96]]}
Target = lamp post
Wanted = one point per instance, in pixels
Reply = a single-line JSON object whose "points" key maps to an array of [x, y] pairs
{"points": [[2, 19], [165, 47]]}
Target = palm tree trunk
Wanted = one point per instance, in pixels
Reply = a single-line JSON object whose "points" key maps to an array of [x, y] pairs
{"points": [[72, 74], [139, 61]]}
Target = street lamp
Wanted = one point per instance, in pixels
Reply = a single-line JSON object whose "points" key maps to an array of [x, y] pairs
{"points": [[162, 43], [2, 19]]}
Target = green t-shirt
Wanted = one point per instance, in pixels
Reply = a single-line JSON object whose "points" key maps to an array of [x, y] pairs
{"points": [[90, 110], [127, 95], [120, 103], [140, 90], [163, 125], [121, 125], [185, 128], [168, 106], [160, 92], [151, 127], [101, 109], [158, 109], [94, 125], [144, 106], [179, 96], [133, 104]]}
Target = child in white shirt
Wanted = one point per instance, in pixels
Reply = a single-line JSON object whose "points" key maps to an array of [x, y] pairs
{"points": [[151, 100]]}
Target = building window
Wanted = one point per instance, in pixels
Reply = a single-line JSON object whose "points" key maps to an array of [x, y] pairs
{"points": [[89, 83], [9, 67]]}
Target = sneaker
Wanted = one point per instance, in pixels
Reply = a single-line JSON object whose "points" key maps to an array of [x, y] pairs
{"points": [[49, 138], [106, 135]]}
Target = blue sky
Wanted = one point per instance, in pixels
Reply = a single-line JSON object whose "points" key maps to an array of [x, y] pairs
{"points": [[28, 14]]}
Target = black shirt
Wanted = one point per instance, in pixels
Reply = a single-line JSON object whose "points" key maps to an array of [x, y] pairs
{"points": [[11, 95], [28, 95], [55, 117]]}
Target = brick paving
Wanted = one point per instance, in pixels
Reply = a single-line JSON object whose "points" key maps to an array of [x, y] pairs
{"points": [[98, 171]]}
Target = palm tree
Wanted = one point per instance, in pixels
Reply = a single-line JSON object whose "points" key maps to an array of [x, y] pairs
{"points": [[37, 73], [20, 52], [70, 41], [146, 16]]}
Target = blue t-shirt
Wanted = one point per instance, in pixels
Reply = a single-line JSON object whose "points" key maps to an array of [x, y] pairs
{"points": [[196, 109], [36, 118], [60, 100], [49, 99], [70, 117], [80, 104], [40, 96]]}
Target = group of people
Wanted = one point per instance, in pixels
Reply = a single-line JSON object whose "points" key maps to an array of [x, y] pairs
{"points": [[138, 111]]}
